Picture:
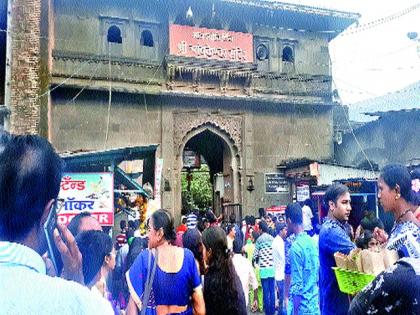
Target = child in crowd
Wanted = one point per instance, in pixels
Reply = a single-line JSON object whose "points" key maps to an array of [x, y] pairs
{"points": [[249, 251], [367, 241]]}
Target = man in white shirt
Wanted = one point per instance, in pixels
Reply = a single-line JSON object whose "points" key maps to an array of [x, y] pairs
{"points": [[30, 176], [307, 216], [279, 262], [246, 274], [230, 236]]}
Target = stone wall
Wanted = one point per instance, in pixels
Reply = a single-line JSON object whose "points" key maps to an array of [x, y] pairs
{"points": [[3, 26], [82, 124], [268, 133], [25, 67], [394, 138], [284, 133]]}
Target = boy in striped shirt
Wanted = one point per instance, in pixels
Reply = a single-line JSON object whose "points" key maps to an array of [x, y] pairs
{"points": [[263, 255]]}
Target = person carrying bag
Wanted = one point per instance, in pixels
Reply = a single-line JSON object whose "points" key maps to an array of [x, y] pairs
{"points": [[164, 279]]}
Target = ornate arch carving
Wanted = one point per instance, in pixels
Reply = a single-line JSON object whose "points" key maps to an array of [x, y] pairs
{"points": [[184, 123]]}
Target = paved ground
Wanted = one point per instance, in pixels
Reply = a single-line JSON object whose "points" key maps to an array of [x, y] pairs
{"points": [[257, 313]]}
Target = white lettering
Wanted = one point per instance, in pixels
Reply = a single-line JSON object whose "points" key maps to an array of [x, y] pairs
{"points": [[182, 47], [103, 218], [213, 36]]}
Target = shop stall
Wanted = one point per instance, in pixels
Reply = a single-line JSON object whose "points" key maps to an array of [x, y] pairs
{"points": [[105, 184]]}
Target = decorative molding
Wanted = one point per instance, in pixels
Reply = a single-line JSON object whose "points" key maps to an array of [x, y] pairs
{"points": [[248, 86], [115, 60], [170, 74], [224, 80], [147, 22], [299, 8], [114, 18], [282, 85], [186, 122], [208, 66], [196, 77]]}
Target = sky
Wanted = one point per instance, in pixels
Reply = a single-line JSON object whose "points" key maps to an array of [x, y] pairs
{"points": [[375, 61]]}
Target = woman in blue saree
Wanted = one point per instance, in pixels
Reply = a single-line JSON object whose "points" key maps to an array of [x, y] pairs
{"points": [[164, 274]]}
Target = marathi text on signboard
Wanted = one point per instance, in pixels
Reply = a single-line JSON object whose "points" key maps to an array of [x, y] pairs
{"points": [[188, 41], [302, 192], [276, 183], [191, 159], [86, 192]]}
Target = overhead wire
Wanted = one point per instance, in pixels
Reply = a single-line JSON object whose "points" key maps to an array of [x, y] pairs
{"points": [[353, 133], [304, 86], [85, 86], [110, 94], [371, 24], [153, 76], [109, 97], [351, 30], [291, 133], [84, 63], [359, 89], [356, 28], [343, 32], [355, 137]]}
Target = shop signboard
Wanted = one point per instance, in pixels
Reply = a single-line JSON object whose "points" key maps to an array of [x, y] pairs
{"points": [[191, 159], [86, 192], [276, 209], [302, 192], [360, 185], [275, 183], [203, 43]]}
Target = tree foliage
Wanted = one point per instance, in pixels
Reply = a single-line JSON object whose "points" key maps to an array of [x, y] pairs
{"points": [[201, 190]]}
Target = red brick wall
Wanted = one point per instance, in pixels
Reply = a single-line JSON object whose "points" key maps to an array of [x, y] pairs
{"points": [[25, 67]]}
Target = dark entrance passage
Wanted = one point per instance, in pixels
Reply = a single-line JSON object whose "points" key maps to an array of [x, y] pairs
{"points": [[211, 183]]}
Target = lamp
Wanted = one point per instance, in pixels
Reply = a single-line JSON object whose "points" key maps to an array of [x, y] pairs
{"points": [[166, 185], [250, 186]]}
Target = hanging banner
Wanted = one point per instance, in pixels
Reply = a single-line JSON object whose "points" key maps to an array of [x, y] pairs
{"points": [[204, 43], [86, 192], [158, 182]]}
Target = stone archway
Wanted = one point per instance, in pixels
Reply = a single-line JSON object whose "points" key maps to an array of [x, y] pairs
{"points": [[191, 126]]}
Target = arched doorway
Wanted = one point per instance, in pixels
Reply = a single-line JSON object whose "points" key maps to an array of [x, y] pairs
{"points": [[218, 152]]}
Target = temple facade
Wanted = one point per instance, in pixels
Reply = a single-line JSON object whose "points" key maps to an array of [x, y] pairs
{"points": [[245, 84]]}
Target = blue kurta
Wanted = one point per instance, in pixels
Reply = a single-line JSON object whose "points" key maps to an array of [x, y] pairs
{"points": [[332, 238], [304, 265]]}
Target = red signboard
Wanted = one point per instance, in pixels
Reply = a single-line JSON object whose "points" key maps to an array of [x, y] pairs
{"points": [[276, 209], [86, 192], [104, 218], [196, 42]]}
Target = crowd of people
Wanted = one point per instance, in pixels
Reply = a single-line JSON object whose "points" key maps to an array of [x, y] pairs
{"points": [[206, 265]]}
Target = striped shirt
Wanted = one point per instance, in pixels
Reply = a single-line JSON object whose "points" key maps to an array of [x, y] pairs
{"points": [[263, 254], [26, 289], [191, 221]]}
